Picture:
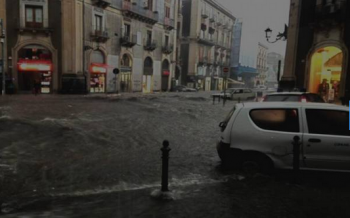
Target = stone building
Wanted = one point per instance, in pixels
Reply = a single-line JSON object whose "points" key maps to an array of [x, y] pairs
{"points": [[62, 41], [318, 47], [261, 64], [3, 18], [206, 45]]}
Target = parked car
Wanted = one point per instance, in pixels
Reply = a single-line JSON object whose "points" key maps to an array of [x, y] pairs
{"points": [[258, 136], [294, 96], [184, 89], [237, 93]]}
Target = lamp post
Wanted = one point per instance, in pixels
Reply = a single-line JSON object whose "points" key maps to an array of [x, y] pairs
{"points": [[2, 40], [280, 36]]}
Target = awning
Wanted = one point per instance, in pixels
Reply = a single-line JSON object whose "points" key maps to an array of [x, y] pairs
{"points": [[34, 65], [99, 68], [232, 81]]}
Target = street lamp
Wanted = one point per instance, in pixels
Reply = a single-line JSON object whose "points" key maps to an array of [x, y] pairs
{"points": [[280, 36]]}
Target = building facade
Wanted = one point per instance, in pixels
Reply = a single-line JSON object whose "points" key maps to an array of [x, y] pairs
{"points": [[261, 64], [3, 17], [59, 41], [273, 59], [236, 43], [318, 46], [206, 45]]}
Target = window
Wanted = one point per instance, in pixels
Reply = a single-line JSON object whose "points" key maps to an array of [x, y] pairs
{"points": [[98, 23], [166, 40], [167, 12], [34, 16], [328, 122], [149, 37], [283, 120], [127, 30], [149, 5]]}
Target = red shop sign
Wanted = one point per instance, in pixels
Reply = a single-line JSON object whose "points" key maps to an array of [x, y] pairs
{"points": [[34, 65]]}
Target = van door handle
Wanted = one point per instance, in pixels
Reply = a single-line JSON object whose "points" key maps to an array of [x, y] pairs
{"points": [[315, 140]]}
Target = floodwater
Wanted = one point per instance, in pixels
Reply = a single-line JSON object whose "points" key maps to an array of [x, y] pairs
{"points": [[74, 146]]}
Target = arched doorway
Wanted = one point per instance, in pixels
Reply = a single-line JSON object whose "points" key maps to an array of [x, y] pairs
{"points": [[165, 75], [147, 79], [35, 69], [98, 71], [325, 72], [125, 74]]}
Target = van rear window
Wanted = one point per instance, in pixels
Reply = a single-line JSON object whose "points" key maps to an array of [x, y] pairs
{"points": [[283, 120]]}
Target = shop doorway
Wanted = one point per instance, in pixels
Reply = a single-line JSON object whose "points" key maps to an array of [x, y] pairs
{"points": [[125, 74], [325, 73], [34, 69], [147, 79], [98, 71], [165, 75]]}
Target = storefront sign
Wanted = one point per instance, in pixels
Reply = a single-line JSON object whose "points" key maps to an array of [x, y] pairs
{"points": [[98, 68], [34, 65]]}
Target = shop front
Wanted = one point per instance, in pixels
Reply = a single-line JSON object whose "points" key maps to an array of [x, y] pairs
{"points": [[147, 78], [125, 74], [98, 74], [35, 70], [325, 76], [35, 74], [165, 75]]}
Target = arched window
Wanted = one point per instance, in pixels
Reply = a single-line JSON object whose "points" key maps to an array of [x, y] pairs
{"points": [[97, 57], [148, 66], [126, 61]]}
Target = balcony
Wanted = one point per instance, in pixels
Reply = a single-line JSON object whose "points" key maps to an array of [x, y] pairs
{"points": [[205, 41], [128, 40], [150, 45], [219, 22], [202, 60], [212, 19], [99, 35], [137, 12], [101, 3], [167, 49], [204, 14], [169, 23], [41, 30], [211, 30], [332, 13]]}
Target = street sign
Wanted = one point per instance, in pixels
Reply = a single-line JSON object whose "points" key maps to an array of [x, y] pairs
{"points": [[225, 69], [116, 71]]}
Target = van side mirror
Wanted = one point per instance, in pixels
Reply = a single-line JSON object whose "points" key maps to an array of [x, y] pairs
{"points": [[222, 124]]}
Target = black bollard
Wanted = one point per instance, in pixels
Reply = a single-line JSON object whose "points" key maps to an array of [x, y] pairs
{"points": [[165, 165], [296, 156]]}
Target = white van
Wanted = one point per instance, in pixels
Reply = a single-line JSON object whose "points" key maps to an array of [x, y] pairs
{"points": [[259, 136]]}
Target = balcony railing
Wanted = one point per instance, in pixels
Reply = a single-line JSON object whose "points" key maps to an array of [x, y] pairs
{"points": [[139, 13], [204, 14], [203, 60], [212, 18], [205, 40], [42, 30], [99, 35], [203, 26], [128, 40], [169, 23], [211, 30], [150, 45], [101, 3], [168, 49]]}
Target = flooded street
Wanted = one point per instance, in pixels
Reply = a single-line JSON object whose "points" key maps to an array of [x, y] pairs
{"points": [[99, 156]]}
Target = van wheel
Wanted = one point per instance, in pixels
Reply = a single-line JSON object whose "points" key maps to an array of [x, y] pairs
{"points": [[257, 164]]}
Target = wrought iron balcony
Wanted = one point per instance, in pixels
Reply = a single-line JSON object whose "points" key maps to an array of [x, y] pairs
{"points": [[212, 18], [150, 45], [101, 3], [204, 14], [203, 60], [169, 23], [167, 49], [99, 35], [139, 13], [128, 40], [203, 26], [211, 30], [205, 41]]}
